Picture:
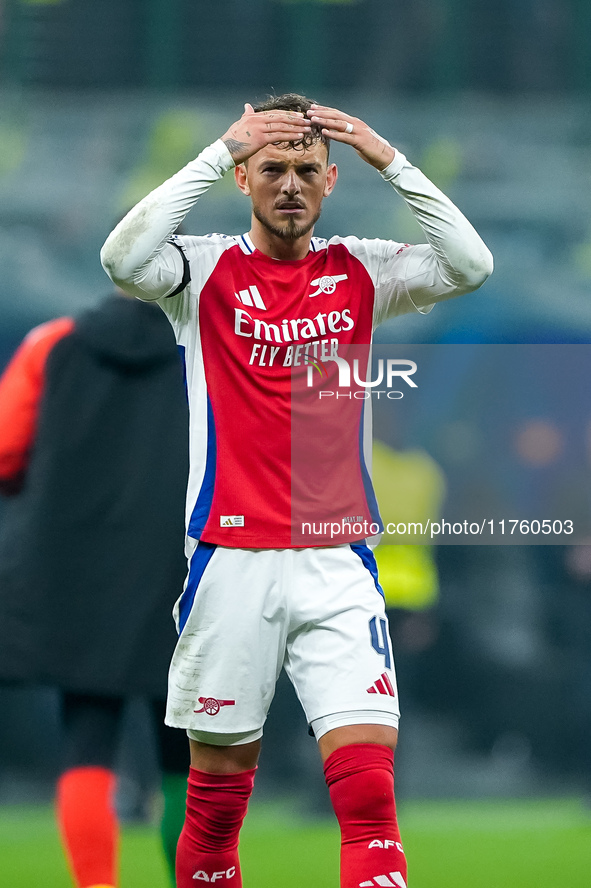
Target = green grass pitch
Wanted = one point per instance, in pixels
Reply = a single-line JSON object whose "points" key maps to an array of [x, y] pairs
{"points": [[512, 844]]}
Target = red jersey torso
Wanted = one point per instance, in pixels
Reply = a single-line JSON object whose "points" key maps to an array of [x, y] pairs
{"points": [[284, 461]]}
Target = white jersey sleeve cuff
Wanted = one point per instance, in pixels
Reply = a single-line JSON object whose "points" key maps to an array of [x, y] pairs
{"points": [[394, 167], [218, 157]]}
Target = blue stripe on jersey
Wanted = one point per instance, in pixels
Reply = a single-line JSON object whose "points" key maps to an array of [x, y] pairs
{"points": [[246, 244], [203, 505], [199, 561], [369, 560], [368, 486]]}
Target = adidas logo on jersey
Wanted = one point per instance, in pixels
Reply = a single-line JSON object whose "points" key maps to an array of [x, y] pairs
{"points": [[231, 520], [251, 297], [382, 686], [325, 284], [392, 880]]}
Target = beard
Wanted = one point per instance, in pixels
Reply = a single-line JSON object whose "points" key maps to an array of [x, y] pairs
{"points": [[290, 230]]}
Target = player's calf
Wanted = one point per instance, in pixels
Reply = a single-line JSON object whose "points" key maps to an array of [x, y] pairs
{"points": [[360, 778], [208, 846]]}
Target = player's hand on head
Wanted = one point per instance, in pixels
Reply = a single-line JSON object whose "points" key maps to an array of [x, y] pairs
{"points": [[255, 130], [342, 127]]}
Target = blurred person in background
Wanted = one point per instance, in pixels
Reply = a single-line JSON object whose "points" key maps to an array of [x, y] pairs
{"points": [[93, 462], [260, 594], [410, 487]]}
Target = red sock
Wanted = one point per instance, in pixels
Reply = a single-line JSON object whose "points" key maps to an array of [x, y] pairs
{"points": [[88, 824], [208, 846], [360, 778]]}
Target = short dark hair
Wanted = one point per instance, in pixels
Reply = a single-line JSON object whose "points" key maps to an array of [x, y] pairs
{"points": [[295, 102]]}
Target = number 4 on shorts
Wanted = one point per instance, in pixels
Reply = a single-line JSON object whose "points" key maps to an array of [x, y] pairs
{"points": [[379, 639]]}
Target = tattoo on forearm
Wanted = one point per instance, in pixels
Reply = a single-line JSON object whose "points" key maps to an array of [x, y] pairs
{"points": [[234, 146]]}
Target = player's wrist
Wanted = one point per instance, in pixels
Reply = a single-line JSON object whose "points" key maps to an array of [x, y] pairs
{"points": [[216, 157], [394, 167], [223, 159]]}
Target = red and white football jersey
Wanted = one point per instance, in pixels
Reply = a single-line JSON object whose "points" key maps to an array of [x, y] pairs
{"points": [[272, 461], [279, 448]]}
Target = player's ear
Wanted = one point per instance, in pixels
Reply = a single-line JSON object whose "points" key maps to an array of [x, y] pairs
{"points": [[241, 176], [331, 178]]}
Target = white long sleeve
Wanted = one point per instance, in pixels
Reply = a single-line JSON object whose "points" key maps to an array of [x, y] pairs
{"points": [[456, 260], [136, 255]]}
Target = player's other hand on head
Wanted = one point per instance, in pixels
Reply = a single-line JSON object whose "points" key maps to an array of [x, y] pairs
{"points": [[341, 127], [255, 130]]}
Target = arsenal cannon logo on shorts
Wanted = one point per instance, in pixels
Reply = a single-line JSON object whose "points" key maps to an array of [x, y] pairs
{"points": [[212, 706]]}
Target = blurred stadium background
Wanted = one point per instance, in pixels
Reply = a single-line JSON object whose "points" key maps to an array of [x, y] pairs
{"points": [[99, 102]]}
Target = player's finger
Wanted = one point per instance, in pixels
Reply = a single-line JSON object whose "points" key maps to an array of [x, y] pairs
{"points": [[274, 125], [325, 111], [282, 115], [288, 118], [340, 136], [335, 129], [340, 125], [285, 136]]}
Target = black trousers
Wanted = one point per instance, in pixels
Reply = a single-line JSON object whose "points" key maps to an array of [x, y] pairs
{"points": [[93, 726]]}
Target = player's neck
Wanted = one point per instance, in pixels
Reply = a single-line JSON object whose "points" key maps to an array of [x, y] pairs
{"points": [[278, 247]]}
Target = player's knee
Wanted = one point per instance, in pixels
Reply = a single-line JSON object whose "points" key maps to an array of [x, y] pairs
{"points": [[231, 759], [352, 735], [369, 801], [361, 783]]}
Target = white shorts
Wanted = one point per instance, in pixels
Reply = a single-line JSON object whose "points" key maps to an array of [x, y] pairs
{"points": [[246, 613]]}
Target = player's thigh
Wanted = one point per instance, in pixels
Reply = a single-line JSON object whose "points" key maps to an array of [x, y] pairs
{"points": [[340, 659], [225, 759], [231, 645]]}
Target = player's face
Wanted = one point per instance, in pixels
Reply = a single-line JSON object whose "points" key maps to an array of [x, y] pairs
{"points": [[287, 187]]}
